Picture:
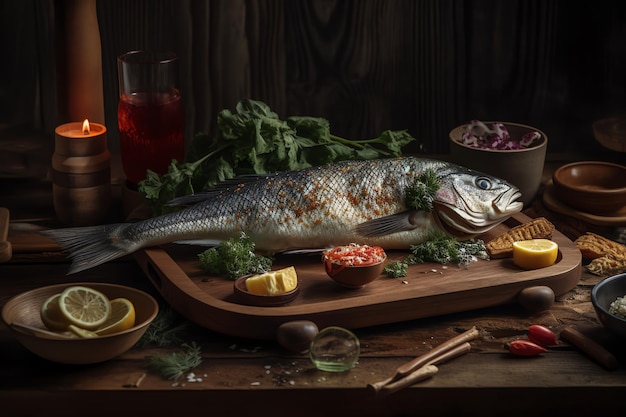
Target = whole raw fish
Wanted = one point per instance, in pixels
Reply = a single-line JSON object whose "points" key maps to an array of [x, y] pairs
{"points": [[337, 204]]}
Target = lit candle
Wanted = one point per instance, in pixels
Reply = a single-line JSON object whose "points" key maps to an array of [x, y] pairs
{"points": [[81, 173]]}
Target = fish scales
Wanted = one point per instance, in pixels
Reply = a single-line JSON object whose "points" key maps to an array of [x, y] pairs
{"points": [[335, 204]]}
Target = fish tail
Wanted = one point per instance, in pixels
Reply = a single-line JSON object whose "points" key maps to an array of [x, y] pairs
{"points": [[91, 245]]}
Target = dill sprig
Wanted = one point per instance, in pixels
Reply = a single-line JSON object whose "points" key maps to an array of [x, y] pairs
{"points": [[173, 365], [421, 193], [165, 329]]}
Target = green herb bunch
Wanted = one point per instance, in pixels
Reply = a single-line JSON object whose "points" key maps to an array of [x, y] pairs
{"points": [[420, 194], [439, 248], [173, 365], [234, 258], [254, 140]]}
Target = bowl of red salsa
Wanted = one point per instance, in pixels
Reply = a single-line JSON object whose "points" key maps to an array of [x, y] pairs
{"points": [[354, 266]]}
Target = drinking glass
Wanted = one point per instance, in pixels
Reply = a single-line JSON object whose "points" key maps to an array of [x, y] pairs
{"points": [[150, 114]]}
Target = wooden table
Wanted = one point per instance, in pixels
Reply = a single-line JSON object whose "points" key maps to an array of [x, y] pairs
{"points": [[240, 377]]}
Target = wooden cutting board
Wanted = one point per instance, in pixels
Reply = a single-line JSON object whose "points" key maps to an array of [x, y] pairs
{"points": [[429, 289]]}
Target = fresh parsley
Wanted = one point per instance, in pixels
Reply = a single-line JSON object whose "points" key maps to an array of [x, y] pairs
{"points": [[234, 258], [254, 140]]}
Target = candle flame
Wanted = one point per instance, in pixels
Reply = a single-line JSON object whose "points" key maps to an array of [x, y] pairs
{"points": [[86, 128]]}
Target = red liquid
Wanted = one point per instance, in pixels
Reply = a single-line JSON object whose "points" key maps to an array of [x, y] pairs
{"points": [[152, 127]]}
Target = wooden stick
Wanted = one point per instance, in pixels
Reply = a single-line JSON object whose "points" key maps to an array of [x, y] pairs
{"points": [[590, 347], [5, 245], [429, 357], [420, 374], [425, 371]]}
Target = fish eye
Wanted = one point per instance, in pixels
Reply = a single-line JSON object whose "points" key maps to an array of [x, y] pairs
{"points": [[483, 183]]}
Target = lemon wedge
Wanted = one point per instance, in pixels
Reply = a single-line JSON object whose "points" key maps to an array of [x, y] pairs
{"points": [[51, 314], [276, 282], [122, 317], [84, 307], [535, 253]]}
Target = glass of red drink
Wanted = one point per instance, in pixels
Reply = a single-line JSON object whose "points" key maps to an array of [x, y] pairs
{"points": [[150, 114]]}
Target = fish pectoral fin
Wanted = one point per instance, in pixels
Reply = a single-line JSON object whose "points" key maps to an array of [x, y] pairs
{"points": [[387, 225]]}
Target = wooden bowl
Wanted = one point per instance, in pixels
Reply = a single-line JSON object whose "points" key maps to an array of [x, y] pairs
{"points": [[243, 296], [522, 168], [25, 309], [602, 295], [611, 133], [350, 276], [593, 187]]}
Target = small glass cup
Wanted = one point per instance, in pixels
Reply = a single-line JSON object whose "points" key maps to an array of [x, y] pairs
{"points": [[335, 349], [150, 114]]}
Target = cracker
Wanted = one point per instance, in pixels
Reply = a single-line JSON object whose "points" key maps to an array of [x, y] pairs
{"points": [[502, 246], [607, 265], [594, 246]]}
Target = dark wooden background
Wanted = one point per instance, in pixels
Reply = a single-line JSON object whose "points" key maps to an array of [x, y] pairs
{"points": [[365, 65]]}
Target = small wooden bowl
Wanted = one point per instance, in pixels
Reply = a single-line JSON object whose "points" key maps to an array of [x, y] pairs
{"points": [[245, 297], [602, 295], [24, 309], [354, 276], [593, 187], [611, 133]]}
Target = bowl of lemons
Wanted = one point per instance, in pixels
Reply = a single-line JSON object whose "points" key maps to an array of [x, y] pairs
{"points": [[80, 323]]}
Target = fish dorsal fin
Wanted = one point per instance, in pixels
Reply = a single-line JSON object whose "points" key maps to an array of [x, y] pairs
{"points": [[394, 223], [217, 189]]}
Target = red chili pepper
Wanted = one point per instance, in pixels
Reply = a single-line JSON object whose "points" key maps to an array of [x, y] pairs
{"points": [[542, 336], [525, 348]]}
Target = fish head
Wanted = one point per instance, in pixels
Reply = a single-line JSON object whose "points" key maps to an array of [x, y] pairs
{"points": [[469, 203]]}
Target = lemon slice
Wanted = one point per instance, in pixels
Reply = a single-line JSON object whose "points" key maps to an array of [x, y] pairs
{"points": [[276, 282], [85, 307], [535, 253], [122, 317], [83, 333], [51, 314]]}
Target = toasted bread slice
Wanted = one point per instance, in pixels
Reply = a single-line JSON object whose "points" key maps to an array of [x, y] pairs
{"points": [[594, 246], [502, 246]]}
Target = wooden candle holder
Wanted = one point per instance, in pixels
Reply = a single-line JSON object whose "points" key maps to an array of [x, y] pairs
{"points": [[81, 174]]}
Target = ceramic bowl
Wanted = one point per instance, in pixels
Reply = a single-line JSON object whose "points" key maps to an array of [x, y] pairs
{"points": [[521, 167], [354, 276], [25, 309], [611, 133], [243, 296], [593, 187], [602, 295]]}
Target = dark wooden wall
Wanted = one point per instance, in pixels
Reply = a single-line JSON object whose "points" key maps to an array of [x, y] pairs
{"points": [[365, 65]]}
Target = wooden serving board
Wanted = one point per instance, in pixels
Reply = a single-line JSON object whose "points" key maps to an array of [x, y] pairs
{"points": [[429, 289]]}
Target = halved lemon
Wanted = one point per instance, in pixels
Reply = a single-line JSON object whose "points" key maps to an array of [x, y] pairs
{"points": [[535, 253], [276, 282], [85, 307], [51, 314], [122, 317]]}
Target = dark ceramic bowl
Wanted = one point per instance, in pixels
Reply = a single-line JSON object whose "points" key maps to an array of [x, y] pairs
{"points": [[521, 167], [24, 309], [602, 295], [354, 276], [593, 187], [243, 296]]}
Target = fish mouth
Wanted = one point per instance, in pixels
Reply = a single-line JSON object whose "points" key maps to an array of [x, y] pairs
{"points": [[464, 223]]}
